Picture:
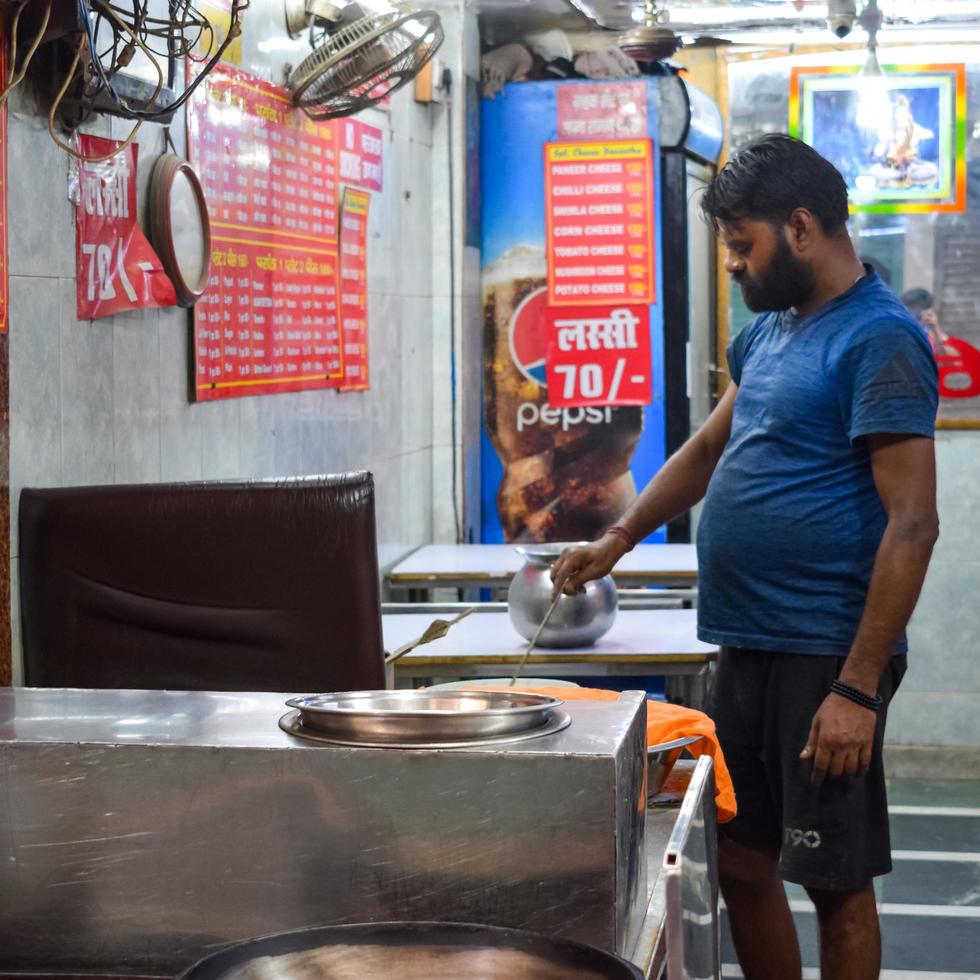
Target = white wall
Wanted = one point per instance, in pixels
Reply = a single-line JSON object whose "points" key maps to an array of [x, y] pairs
{"points": [[456, 304], [106, 401]]}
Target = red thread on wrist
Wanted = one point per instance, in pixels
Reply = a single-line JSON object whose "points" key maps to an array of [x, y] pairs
{"points": [[623, 534]]}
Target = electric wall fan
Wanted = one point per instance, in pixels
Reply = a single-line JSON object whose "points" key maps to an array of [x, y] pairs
{"points": [[361, 53]]}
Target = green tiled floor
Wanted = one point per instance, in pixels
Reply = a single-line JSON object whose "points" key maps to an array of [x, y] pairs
{"points": [[945, 792], [931, 900]]}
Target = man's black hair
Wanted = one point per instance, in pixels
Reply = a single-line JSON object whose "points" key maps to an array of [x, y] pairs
{"points": [[918, 300], [769, 178]]}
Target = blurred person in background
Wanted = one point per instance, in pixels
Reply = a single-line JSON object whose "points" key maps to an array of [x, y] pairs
{"points": [[921, 304]]}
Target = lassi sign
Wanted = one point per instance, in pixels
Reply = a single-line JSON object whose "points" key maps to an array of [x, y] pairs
{"points": [[598, 356]]}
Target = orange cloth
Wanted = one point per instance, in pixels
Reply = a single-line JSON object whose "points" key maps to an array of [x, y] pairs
{"points": [[665, 722]]}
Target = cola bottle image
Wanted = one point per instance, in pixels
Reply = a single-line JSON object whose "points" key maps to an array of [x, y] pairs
{"points": [[566, 470]]}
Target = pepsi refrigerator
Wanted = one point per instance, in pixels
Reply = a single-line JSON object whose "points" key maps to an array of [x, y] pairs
{"points": [[597, 293]]}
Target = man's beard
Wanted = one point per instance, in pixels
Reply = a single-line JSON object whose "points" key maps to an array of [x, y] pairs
{"points": [[786, 282]]}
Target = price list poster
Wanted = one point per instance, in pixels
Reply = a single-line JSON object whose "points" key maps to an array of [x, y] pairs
{"points": [[353, 288], [270, 320], [601, 275]]}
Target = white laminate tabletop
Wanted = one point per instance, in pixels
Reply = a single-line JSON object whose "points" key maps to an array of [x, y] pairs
{"points": [[434, 562], [637, 636]]}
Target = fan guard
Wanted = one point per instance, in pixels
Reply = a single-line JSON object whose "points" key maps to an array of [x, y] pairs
{"points": [[364, 61]]}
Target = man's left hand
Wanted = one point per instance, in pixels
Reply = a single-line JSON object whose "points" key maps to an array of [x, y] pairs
{"points": [[841, 739]]}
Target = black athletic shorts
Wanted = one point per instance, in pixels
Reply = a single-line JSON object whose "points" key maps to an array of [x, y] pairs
{"points": [[832, 836]]}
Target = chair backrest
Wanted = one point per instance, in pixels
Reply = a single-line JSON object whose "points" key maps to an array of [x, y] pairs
{"points": [[266, 586]]}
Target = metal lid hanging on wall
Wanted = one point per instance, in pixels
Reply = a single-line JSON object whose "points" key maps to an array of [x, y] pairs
{"points": [[180, 226]]}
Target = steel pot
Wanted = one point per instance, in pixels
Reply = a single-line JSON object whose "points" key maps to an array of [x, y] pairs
{"points": [[661, 759], [577, 620], [411, 951]]}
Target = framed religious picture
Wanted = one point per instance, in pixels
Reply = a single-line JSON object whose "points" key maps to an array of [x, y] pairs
{"points": [[898, 138]]}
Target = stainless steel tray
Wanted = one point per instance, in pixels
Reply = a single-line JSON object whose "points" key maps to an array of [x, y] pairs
{"points": [[292, 724], [423, 716]]}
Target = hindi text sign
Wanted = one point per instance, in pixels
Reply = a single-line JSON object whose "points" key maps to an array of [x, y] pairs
{"points": [[598, 356], [602, 110], [116, 267]]}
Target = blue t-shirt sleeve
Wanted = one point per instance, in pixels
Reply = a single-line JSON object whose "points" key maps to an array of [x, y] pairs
{"points": [[888, 382], [738, 349]]}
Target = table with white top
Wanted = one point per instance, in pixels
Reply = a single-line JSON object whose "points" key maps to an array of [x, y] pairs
{"points": [[655, 642], [463, 566]]}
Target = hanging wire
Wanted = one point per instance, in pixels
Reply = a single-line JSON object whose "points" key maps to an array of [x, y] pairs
{"points": [[131, 29], [14, 78], [175, 37], [53, 111]]}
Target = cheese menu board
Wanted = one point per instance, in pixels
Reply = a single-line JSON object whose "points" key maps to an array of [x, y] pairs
{"points": [[353, 288], [600, 220], [270, 319]]}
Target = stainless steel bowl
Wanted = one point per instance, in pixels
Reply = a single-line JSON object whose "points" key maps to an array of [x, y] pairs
{"points": [[661, 759], [577, 621], [411, 951], [423, 716]]}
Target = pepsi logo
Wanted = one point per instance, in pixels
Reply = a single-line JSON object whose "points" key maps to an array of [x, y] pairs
{"points": [[529, 338]]}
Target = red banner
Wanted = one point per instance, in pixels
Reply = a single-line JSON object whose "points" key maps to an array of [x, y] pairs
{"points": [[353, 288], [599, 201], [360, 148], [116, 267], [598, 356], [602, 110]]}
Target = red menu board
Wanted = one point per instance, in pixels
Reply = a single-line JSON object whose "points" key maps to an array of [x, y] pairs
{"points": [[602, 110], [269, 320], [600, 222], [598, 356], [353, 288]]}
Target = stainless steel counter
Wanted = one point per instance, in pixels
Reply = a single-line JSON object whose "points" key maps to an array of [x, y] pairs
{"points": [[142, 830]]}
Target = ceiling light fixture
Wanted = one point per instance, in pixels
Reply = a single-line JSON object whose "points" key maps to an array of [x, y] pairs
{"points": [[871, 20], [652, 39]]}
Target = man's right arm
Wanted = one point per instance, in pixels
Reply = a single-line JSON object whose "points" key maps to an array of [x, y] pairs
{"points": [[679, 484]]}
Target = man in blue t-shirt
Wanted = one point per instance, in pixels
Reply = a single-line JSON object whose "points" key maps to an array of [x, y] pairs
{"points": [[817, 471]]}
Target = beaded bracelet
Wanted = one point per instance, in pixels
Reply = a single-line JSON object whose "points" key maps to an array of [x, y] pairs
{"points": [[858, 697], [622, 533]]}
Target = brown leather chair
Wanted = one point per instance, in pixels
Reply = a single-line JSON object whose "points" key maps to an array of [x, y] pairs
{"points": [[267, 586]]}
